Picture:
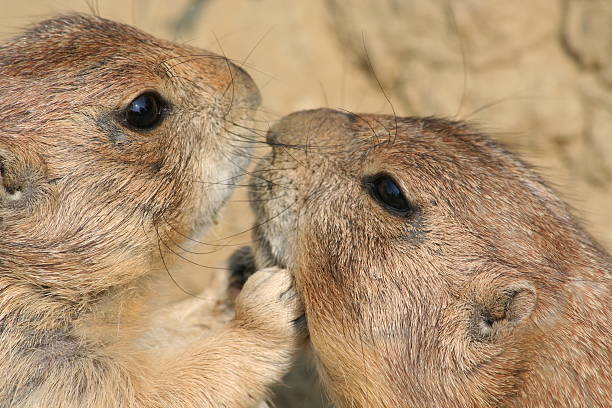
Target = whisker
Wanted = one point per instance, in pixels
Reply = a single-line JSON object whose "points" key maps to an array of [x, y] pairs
{"points": [[195, 240], [180, 287], [199, 253], [244, 61], [382, 89], [453, 19], [189, 260]]}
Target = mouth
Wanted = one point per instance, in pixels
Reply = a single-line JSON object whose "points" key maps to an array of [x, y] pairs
{"points": [[273, 196]]}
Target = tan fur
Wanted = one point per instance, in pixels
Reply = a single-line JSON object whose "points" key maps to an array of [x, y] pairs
{"points": [[488, 294], [89, 207]]}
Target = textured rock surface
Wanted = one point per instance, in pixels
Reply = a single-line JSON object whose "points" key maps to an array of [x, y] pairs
{"points": [[536, 74]]}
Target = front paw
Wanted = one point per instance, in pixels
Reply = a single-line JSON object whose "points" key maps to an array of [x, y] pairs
{"points": [[268, 302]]}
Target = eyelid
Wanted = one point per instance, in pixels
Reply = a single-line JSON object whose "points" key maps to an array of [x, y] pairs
{"points": [[125, 101]]}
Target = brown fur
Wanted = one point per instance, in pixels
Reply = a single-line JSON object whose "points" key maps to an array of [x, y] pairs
{"points": [[88, 206], [488, 294]]}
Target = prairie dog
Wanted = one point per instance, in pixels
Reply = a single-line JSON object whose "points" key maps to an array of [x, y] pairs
{"points": [[436, 268], [114, 144]]}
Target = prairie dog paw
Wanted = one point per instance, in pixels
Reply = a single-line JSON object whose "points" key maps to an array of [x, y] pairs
{"points": [[268, 302]]}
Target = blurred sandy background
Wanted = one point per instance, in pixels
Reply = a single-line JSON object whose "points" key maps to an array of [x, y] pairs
{"points": [[536, 74]]}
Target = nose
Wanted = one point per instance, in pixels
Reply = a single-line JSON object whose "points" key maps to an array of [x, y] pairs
{"points": [[244, 82], [272, 137], [232, 82], [307, 127]]}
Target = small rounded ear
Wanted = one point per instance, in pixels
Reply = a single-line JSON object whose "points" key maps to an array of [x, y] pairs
{"points": [[500, 309], [20, 178], [10, 191]]}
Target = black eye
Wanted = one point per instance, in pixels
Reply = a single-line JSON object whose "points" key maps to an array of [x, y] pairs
{"points": [[144, 112], [388, 193]]}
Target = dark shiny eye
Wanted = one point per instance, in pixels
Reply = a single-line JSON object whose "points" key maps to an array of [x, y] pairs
{"points": [[388, 193], [144, 112]]}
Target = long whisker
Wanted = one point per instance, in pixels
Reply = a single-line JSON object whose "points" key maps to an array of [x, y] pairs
{"points": [[180, 287], [189, 260], [382, 89], [453, 20]]}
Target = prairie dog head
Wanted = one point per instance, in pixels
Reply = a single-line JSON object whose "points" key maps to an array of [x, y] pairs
{"points": [[112, 143], [428, 257]]}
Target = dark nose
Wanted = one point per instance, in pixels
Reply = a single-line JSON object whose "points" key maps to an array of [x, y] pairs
{"points": [[272, 137]]}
